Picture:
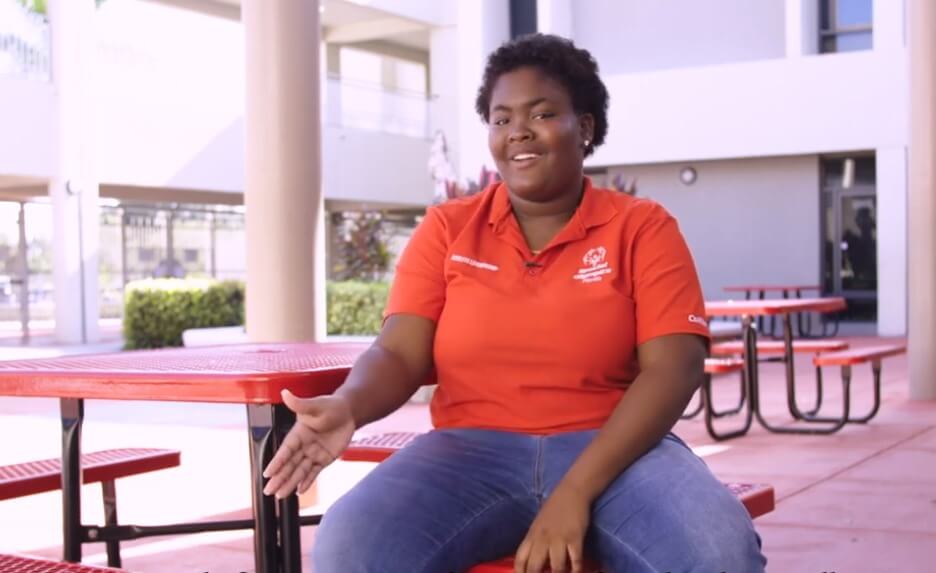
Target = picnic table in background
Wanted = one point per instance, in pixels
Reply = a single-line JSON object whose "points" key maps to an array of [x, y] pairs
{"points": [[748, 311], [803, 326], [249, 374]]}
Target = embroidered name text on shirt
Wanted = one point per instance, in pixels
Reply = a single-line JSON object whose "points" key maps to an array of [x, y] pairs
{"points": [[474, 263]]}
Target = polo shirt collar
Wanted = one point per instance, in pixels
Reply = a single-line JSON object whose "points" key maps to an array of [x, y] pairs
{"points": [[595, 209]]}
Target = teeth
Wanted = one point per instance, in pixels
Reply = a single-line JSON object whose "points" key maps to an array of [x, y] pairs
{"points": [[523, 156]]}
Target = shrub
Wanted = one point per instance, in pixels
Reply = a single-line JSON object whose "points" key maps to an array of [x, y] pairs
{"points": [[356, 307], [156, 311]]}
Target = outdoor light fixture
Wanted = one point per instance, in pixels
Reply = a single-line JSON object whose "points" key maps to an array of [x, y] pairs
{"points": [[688, 175], [848, 173]]}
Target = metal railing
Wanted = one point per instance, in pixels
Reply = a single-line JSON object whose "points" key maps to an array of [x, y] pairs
{"points": [[24, 42], [370, 106]]}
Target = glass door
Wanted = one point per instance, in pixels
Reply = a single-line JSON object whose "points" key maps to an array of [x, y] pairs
{"points": [[849, 258]]}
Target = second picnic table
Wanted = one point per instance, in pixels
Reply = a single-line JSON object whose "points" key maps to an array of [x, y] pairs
{"points": [[786, 291], [748, 311]]}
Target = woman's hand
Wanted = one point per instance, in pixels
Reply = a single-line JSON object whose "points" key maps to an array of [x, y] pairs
{"points": [[556, 538], [323, 430]]}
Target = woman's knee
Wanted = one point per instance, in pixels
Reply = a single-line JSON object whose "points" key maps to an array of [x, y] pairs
{"points": [[341, 542]]}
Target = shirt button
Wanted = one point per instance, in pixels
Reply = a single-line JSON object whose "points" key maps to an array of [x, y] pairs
{"points": [[532, 272]]}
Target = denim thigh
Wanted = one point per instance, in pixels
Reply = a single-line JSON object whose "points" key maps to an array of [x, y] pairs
{"points": [[665, 512], [455, 498], [451, 499]]}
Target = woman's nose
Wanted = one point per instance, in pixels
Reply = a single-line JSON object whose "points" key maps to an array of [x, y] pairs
{"points": [[519, 133]]}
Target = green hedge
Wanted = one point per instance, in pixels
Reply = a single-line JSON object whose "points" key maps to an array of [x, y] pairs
{"points": [[356, 307], [156, 311]]}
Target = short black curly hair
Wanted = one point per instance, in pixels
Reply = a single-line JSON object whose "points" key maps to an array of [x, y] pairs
{"points": [[559, 59]]}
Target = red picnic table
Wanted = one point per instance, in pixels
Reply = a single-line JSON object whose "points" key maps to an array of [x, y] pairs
{"points": [[748, 310], [250, 374], [791, 290]]}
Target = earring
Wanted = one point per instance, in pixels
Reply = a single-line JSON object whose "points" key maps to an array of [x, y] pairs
{"points": [[586, 143]]}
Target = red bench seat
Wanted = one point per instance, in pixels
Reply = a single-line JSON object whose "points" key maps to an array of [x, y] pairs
{"points": [[859, 355], [24, 564], [774, 347], [28, 478], [723, 365]]}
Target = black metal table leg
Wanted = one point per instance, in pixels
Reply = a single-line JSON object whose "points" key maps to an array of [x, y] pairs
{"points": [[875, 406], [262, 446], [72, 411], [109, 494], [290, 547], [749, 379], [831, 425]]}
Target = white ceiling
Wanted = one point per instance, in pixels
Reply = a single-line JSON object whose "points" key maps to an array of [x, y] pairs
{"points": [[344, 20]]}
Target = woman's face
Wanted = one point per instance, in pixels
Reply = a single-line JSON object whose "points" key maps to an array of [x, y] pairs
{"points": [[536, 138]]}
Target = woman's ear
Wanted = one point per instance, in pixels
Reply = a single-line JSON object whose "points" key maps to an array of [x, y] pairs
{"points": [[587, 128]]}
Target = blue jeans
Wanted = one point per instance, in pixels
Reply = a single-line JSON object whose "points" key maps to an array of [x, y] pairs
{"points": [[455, 498]]}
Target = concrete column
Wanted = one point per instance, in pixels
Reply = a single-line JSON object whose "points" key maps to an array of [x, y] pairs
{"points": [[802, 27], [555, 17], [283, 199], [922, 199], [74, 189], [892, 240], [333, 59], [457, 59]]}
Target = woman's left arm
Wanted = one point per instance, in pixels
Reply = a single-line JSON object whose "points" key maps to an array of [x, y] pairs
{"points": [[671, 369]]}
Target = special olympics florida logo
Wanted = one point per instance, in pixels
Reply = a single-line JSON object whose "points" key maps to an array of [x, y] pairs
{"points": [[595, 257], [595, 266]]}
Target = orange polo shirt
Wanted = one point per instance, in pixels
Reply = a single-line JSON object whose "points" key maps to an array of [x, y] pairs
{"points": [[544, 343]]}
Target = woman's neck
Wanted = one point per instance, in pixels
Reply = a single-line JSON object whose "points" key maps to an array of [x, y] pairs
{"points": [[560, 208]]}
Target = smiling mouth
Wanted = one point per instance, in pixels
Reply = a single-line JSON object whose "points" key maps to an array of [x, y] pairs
{"points": [[522, 158]]}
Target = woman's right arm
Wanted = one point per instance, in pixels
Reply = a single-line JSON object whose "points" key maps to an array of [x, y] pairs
{"points": [[382, 380], [391, 370], [383, 377]]}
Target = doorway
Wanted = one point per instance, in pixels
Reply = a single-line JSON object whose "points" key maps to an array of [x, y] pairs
{"points": [[849, 219]]}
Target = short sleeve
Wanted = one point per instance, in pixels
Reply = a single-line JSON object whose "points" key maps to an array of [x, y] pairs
{"points": [[419, 284], [667, 294]]}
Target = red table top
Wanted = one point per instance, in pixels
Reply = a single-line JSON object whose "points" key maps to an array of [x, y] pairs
{"points": [[240, 373], [769, 288], [774, 306]]}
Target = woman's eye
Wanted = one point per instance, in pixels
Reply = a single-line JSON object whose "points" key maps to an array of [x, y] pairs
{"points": [[543, 115], [500, 121]]}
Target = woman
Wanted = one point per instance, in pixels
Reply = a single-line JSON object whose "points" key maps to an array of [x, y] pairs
{"points": [[563, 323]]}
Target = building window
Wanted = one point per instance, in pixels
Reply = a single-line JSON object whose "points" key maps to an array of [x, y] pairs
{"points": [[844, 25], [522, 17]]}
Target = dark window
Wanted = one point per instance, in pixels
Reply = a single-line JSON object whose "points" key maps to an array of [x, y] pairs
{"points": [[522, 17], [190, 255], [848, 171], [845, 25]]}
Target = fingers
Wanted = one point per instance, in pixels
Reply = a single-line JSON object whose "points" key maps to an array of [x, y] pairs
{"points": [[539, 557], [522, 556], [292, 444], [306, 469], [576, 558], [558, 558], [299, 405], [307, 482]]}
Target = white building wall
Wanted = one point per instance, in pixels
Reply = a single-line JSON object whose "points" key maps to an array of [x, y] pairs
{"points": [[628, 36], [28, 120], [818, 104], [171, 114], [892, 240], [746, 220]]}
